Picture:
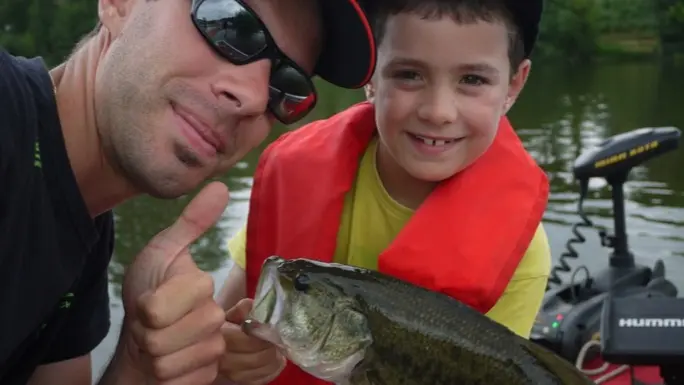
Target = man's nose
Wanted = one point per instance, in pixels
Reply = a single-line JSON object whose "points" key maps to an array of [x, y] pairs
{"points": [[243, 89]]}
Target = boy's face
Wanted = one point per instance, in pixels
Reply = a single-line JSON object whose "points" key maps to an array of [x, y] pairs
{"points": [[439, 92]]}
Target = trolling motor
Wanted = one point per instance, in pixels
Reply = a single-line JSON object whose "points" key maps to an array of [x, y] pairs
{"points": [[571, 313]]}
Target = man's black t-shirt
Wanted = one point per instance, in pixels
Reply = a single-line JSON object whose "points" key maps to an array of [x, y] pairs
{"points": [[54, 302]]}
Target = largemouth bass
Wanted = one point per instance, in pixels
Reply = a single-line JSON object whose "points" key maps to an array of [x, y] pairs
{"points": [[354, 326]]}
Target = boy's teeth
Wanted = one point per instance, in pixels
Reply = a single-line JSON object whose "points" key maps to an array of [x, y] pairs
{"points": [[432, 142]]}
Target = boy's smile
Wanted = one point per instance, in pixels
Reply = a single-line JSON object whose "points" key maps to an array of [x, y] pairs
{"points": [[433, 145], [439, 92]]}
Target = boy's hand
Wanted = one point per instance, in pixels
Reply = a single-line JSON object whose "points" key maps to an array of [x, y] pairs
{"points": [[248, 360]]}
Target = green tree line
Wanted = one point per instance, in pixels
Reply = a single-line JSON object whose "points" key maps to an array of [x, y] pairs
{"points": [[587, 29], [572, 29]]}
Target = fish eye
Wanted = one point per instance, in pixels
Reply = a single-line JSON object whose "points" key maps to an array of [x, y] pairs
{"points": [[301, 282]]}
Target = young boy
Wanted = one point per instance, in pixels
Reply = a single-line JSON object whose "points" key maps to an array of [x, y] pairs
{"points": [[426, 181]]}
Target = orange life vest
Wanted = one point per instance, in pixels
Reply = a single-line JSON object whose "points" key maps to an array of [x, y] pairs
{"points": [[465, 240]]}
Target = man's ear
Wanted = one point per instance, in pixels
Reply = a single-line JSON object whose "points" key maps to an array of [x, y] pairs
{"points": [[113, 14], [517, 84], [369, 89]]}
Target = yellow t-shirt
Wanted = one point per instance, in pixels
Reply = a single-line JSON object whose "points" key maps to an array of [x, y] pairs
{"points": [[371, 219]]}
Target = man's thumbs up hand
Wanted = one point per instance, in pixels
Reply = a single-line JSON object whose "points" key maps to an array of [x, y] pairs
{"points": [[172, 321]]}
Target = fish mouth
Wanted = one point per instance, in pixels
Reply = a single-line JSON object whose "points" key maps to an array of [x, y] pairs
{"points": [[268, 308]]}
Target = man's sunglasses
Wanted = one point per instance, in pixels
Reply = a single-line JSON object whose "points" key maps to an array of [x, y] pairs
{"points": [[239, 35]]}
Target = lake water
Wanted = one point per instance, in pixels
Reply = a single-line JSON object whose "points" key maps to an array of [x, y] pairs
{"points": [[561, 112]]}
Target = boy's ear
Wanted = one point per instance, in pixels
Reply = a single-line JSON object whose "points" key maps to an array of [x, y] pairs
{"points": [[517, 84], [370, 91]]}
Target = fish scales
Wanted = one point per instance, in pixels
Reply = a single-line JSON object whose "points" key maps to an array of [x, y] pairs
{"points": [[415, 344], [419, 337]]}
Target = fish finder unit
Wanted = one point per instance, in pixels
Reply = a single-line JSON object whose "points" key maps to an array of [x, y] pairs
{"points": [[646, 329], [571, 312]]}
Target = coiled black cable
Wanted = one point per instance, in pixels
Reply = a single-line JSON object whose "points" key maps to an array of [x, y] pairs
{"points": [[563, 266]]}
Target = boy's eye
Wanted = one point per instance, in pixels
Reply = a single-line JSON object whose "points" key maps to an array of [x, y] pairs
{"points": [[473, 80], [406, 75]]}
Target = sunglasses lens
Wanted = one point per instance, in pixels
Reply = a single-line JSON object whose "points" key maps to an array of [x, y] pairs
{"points": [[240, 36], [291, 94], [232, 28]]}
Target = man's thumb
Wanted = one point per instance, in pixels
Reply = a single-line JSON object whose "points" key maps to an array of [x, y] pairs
{"points": [[198, 216]]}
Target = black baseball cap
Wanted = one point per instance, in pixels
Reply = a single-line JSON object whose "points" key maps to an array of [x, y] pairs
{"points": [[349, 52], [527, 15]]}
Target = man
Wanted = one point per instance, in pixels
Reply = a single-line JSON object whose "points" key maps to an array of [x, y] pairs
{"points": [[160, 97]]}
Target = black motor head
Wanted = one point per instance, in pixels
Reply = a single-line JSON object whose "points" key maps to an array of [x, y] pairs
{"points": [[618, 154]]}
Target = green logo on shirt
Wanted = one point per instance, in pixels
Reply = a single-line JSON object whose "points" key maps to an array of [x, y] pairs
{"points": [[65, 303], [36, 156]]}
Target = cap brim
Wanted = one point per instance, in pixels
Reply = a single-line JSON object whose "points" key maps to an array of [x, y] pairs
{"points": [[349, 52]]}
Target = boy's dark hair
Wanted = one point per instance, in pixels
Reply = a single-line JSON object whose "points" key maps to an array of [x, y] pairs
{"points": [[461, 11]]}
